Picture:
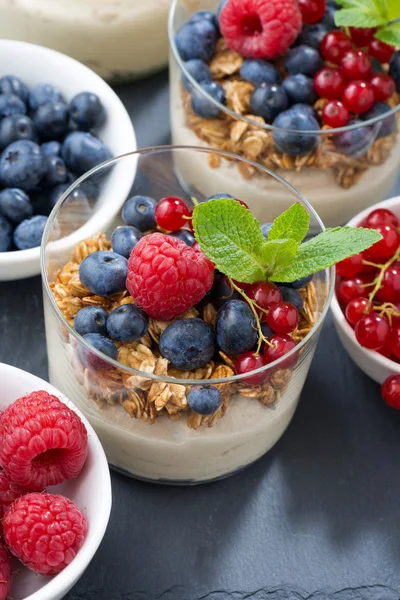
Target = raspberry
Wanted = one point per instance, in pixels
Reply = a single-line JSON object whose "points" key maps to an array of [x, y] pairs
{"points": [[45, 531], [166, 277], [9, 492], [42, 441], [5, 573], [260, 29]]}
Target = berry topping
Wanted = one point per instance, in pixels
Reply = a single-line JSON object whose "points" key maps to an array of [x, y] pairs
{"points": [[91, 319], [311, 35], [198, 70], [335, 114], [292, 296], [390, 391], [258, 71], [184, 235], [354, 142], [204, 399], [386, 247], [249, 361], [139, 212], [385, 126], [372, 331], [358, 96], [362, 36], [127, 323], [236, 327], [265, 294], [268, 101], [42, 441], [357, 309], [260, 29], [101, 343], [5, 573], [383, 86], [104, 272], [356, 64], [188, 343], [299, 89], [124, 239], [279, 345], [383, 52], [335, 45], [283, 317], [312, 10], [196, 39], [45, 531], [201, 103], [329, 83], [394, 68], [303, 59], [292, 142], [170, 213]]}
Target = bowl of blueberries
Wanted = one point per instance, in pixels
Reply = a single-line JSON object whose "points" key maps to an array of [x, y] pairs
{"points": [[58, 120]]}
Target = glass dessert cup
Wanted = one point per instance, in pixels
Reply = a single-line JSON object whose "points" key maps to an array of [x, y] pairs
{"points": [[138, 404], [341, 171]]}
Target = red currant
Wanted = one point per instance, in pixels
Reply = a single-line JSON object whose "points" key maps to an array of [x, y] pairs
{"points": [[334, 46], [357, 309], [351, 288], [281, 345], [383, 86], [170, 213], [350, 266], [361, 36], [358, 96], [242, 286], [356, 64], [312, 10], [386, 247], [390, 391], [283, 317], [335, 114], [250, 362], [383, 52], [395, 342], [381, 216], [329, 83], [265, 294], [372, 331], [386, 349], [390, 288]]}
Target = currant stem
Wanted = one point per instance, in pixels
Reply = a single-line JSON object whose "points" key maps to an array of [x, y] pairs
{"points": [[378, 281], [254, 307]]}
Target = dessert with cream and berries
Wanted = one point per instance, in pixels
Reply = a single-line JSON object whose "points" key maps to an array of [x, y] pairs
{"points": [[279, 84], [174, 338]]}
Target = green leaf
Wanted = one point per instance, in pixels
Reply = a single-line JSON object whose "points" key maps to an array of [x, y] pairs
{"points": [[390, 34], [232, 238], [353, 17], [278, 253], [393, 9], [325, 250], [290, 225]]}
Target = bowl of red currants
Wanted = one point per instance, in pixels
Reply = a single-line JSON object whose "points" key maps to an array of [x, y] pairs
{"points": [[366, 303]]}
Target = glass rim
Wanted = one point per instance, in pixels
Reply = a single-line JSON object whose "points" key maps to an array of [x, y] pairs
{"points": [[223, 108], [115, 363]]}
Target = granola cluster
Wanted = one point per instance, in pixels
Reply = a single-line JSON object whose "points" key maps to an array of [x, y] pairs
{"points": [[257, 144], [140, 396]]}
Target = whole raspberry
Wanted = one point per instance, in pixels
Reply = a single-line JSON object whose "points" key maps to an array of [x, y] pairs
{"points": [[42, 441], [9, 492], [260, 28], [166, 277], [45, 531], [5, 573]]}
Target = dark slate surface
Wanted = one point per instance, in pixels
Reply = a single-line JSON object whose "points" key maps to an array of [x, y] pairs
{"points": [[317, 518]]}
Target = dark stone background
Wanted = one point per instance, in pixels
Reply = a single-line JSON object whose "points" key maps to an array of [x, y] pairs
{"points": [[317, 518]]}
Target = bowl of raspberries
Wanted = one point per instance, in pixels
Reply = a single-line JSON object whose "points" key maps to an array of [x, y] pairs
{"points": [[366, 304], [58, 120], [52, 472]]}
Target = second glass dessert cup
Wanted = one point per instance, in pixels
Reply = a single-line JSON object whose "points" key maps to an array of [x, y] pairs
{"points": [[138, 402]]}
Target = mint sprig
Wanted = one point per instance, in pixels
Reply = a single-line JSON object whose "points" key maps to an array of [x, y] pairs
{"points": [[383, 14], [232, 239]]}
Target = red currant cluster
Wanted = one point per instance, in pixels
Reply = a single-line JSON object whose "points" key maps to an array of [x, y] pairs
{"points": [[348, 82], [312, 11], [368, 288]]}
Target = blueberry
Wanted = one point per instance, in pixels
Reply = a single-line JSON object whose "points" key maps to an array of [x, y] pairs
{"points": [[266, 330], [91, 319], [124, 239], [236, 327], [376, 65], [386, 126], [268, 101], [51, 120], [138, 211], [220, 6], [328, 20], [258, 71], [303, 59], [198, 70], [394, 69], [5, 235], [306, 109], [56, 172], [22, 165], [298, 284], [299, 88], [293, 296], [201, 15], [51, 148], [10, 104], [355, 142], [15, 205], [188, 344], [295, 143], [196, 40], [28, 234], [203, 106], [184, 235], [221, 291], [9, 84], [204, 399], [42, 93], [103, 345], [77, 196], [87, 110], [311, 35], [266, 228], [127, 323], [104, 272], [82, 151], [218, 197], [16, 127]]}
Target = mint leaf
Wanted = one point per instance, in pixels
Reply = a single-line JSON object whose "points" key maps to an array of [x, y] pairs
{"points": [[232, 238], [325, 250], [290, 225], [390, 34], [361, 13], [278, 253], [392, 9]]}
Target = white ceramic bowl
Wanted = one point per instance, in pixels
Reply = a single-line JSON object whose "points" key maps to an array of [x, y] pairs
{"points": [[91, 491], [34, 64], [373, 364]]}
